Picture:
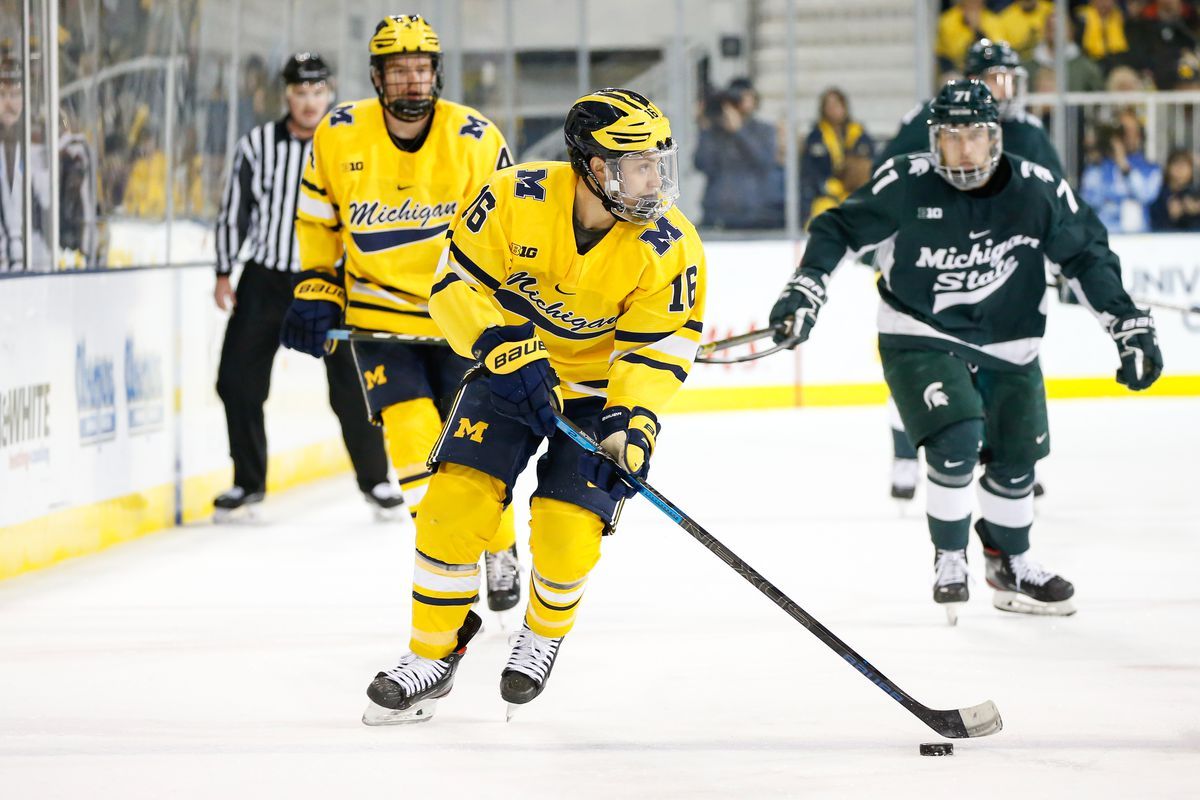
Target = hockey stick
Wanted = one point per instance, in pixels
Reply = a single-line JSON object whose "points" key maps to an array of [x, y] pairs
{"points": [[1187, 311], [973, 721], [703, 355], [342, 335]]}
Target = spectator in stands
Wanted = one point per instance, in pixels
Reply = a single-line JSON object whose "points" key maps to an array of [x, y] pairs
{"points": [[1161, 45], [146, 187], [1124, 184], [855, 172], [1083, 74], [959, 27], [1103, 32], [255, 104], [1178, 205], [736, 152], [834, 137], [1024, 24]]}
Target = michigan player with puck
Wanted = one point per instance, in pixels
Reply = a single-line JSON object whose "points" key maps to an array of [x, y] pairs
{"points": [[575, 285]]}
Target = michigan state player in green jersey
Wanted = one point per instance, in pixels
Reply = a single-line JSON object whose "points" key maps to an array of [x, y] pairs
{"points": [[960, 234], [998, 65]]}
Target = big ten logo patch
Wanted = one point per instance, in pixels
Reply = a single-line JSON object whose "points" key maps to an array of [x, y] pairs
{"points": [[375, 377], [352, 166], [470, 430], [522, 250]]}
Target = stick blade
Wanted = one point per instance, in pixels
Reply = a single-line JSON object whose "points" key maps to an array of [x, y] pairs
{"points": [[967, 723]]}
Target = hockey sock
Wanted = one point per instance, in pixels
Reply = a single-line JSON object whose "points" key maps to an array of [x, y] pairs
{"points": [[950, 458], [458, 519], [565, 541], [1006, 500], [506, 532], [410, 430], [901, 446]]}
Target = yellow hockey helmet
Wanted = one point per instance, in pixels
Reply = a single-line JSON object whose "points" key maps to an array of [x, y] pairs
{"points": [[628, 132], [401, 35]]}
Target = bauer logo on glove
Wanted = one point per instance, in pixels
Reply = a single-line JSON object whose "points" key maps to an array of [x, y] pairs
{"points": [[506, 360]]}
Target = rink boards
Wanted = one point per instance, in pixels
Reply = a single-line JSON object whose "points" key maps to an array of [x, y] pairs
{"points": [[110, 427]]}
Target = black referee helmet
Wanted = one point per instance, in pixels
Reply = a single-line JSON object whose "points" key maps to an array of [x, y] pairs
{"points": [[306, 68]]}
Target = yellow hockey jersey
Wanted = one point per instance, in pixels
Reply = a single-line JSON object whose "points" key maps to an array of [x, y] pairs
{"points": [[387, 210], [622, 321]]}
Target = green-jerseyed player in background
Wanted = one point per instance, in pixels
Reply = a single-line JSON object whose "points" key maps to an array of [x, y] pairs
{"points": [[998, 65], [960, 234]]}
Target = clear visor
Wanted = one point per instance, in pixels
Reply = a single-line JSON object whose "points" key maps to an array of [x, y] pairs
{"points": [[1008, 85], [966, 155], [644, 185]]}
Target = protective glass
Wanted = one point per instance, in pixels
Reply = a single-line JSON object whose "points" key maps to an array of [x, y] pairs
{"points": [[644, 185], [966, 155]]}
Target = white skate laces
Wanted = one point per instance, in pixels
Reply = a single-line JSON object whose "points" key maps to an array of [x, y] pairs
{"points": [[385, 491], [533, 654], [951, 567], [415, 674], [1026, 571], [503, 570]]}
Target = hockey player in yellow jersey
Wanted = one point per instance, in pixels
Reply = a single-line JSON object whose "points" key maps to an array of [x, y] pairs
{"points": [[575, 285], [387, 177]]}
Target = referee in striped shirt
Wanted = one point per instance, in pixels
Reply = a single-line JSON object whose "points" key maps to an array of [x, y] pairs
{"points": [[257, 223]]}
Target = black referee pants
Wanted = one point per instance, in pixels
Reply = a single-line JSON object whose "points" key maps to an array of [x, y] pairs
{"points": [[244, 380]]}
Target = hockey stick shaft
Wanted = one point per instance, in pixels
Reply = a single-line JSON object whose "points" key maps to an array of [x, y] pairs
{"points": [[735, 341], [342, 335], [1187, 311], [980, 720]]}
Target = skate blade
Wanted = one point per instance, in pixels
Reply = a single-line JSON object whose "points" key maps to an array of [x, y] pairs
{"points": [[386, 515], [236, 516], [511, 711], [1018, 603], [952, 610], [377, 715]]}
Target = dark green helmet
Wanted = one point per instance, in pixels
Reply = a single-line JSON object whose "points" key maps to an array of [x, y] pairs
{"points": [[964, 134], [999, 65], [962, 102], [988, 54]]}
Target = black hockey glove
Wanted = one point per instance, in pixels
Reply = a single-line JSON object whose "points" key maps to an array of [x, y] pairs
{"points": [[317, 304], [523, 383], [628, 436], [795, 312], [1135, 338]]}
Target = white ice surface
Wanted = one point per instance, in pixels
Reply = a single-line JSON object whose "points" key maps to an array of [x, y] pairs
{"points": [[231, 662]]}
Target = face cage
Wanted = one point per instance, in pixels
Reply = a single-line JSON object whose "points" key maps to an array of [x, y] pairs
{"points": [[643, 209], [967, 178], [1017, 81], [403, 108]]}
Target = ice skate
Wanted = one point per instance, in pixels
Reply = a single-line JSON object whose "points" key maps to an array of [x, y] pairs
{"points": [[950, 582], [905, 472], [409, 691], [503, 579], [236, 505], [385, 500], [528, 668], [1024, 587]]}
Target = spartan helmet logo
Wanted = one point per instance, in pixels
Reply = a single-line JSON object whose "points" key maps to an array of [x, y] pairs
{"points": [[934, 396]]}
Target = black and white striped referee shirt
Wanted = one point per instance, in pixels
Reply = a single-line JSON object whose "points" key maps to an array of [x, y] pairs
{"points": [[258, 212]]}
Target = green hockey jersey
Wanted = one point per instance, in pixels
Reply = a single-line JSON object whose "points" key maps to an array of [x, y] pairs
{"points": [[965, 272], [1024, 136]]}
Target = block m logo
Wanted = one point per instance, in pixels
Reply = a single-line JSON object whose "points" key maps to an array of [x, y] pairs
{"points": [[470, 430], [375, 377]]}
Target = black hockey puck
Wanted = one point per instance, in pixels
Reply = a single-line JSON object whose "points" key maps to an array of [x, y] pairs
{"points": [[937, 749]]}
